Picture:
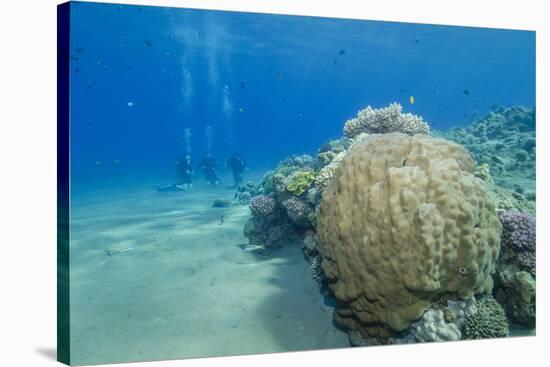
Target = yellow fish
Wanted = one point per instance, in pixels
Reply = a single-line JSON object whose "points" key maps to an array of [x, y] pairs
{"points": [[411, 99]]}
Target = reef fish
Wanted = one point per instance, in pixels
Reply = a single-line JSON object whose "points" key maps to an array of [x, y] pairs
{"points": [[466, 92], [411, 99]]}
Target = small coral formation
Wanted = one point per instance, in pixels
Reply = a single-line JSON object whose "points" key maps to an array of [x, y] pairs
{"points": [[488, 322], [327, 172], [262, 205], [516, 291], [283, 211], [519, 240], [221, 203], [433, 327], [270, 231], [331, 149], [300, 181], [299, 212], [385, 120], [518, 231], [403, 221], [483, 172]]}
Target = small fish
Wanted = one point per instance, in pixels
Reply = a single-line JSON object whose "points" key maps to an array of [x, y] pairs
{"points": [[401, 90], [411, 99], [77, 69], [300, 114], [139, 9], [334, 62], [241, 110], [116, 161], [466, 92], [75, 58], [416, 40], [342, 52], [148, 43], [279, 76], [242, 84], [98, 163], [179, 141], [80, 50], [221, 220], [167, 53], [128, 68], [130, 104], [88, 86], [436, 91]]}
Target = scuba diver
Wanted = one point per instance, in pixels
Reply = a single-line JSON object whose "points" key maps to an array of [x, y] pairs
{"points": [[237, 166], [184, 172], [209, 165]]}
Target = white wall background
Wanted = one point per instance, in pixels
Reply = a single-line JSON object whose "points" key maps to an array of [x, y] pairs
{"points": [[28, 182]]}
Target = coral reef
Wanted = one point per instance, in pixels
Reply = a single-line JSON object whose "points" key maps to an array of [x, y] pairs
{"points": [[488, 322], [505, 140], [403, 229], [403, 221], [385, 120]]}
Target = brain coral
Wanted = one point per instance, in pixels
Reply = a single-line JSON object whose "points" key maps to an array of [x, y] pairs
{"points": [[385, 120], [403, 222]]}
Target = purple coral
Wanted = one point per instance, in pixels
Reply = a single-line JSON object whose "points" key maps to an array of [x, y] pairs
{"points": [[518, 231], [262, 205], [527, 261]]}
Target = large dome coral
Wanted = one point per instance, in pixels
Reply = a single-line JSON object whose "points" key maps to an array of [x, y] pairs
{"points": [[403, 224]]}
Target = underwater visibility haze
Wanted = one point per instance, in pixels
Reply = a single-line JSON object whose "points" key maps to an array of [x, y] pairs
{"points": [[251, 183]]}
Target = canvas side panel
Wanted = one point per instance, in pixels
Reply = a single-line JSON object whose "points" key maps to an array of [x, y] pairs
{"points": [[63, 236]]}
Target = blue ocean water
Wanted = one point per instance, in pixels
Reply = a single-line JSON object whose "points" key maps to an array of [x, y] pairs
{"points": [[267, 85]]}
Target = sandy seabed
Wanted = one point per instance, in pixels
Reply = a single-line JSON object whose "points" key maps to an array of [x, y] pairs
{"points": [[158, 276]]}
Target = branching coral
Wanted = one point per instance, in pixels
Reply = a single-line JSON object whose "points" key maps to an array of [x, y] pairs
{"points": [[385, 120]]}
